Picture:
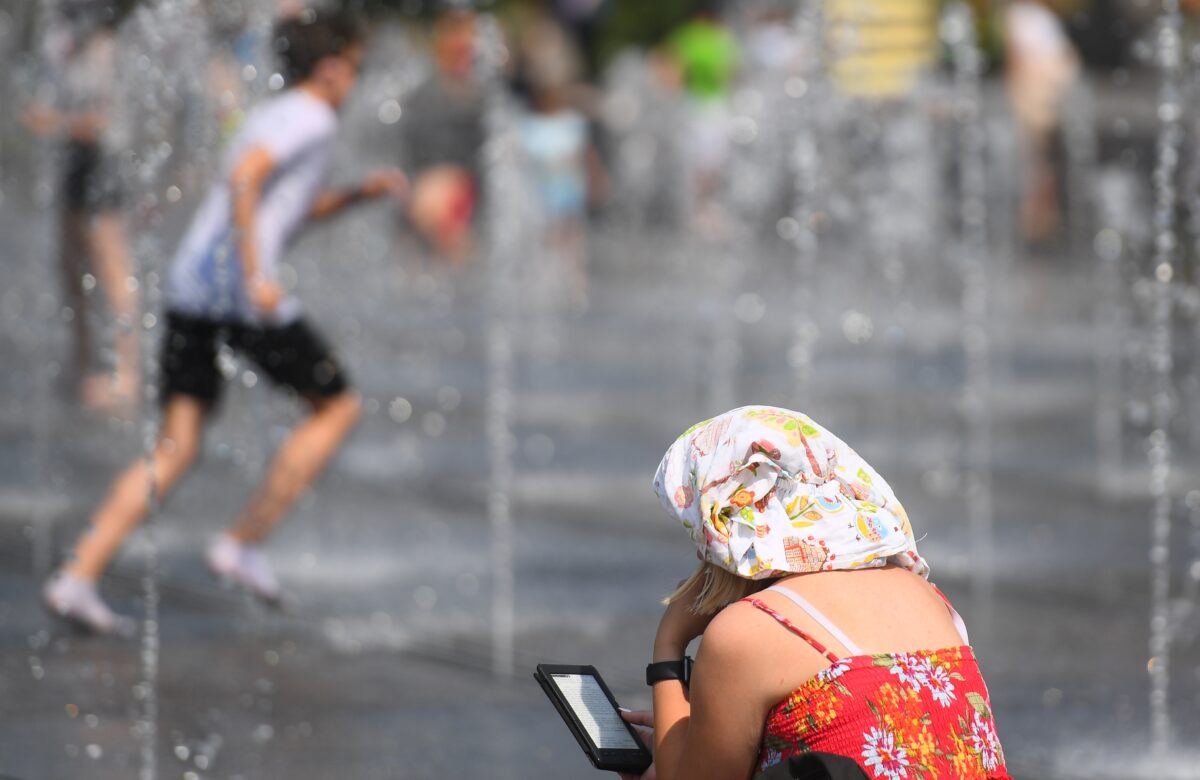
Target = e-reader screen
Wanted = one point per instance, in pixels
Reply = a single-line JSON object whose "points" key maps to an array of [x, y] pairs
{"points": [[595, 712]]}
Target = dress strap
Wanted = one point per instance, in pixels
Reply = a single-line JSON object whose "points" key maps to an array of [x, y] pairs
{"points": [[790, 626], [818, 616], [959, 625]]}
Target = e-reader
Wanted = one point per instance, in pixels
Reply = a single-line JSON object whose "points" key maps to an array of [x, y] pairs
{"points": [[590, 711]]}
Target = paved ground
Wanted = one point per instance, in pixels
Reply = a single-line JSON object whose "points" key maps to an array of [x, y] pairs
{"points": [[379, 666]]}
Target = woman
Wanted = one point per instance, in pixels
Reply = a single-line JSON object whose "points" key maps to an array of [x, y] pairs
{"points": [[821, 632]]}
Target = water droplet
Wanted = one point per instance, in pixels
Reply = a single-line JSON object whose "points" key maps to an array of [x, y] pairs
{"points": [[263, 733], [795, 87], [400, 409], [94, 751], [857, 327], [390, 112], [787, 228]]}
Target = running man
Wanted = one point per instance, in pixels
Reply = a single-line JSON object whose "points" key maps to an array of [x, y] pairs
{"points": [[223, 289]]}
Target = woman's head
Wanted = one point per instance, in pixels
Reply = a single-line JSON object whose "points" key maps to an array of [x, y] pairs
{"points": [[764, 492]]}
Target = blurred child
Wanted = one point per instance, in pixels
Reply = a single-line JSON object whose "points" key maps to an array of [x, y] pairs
{"points": [[223, 289], [92, 239], [555, 142]]}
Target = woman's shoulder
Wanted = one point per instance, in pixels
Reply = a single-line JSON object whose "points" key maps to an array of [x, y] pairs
{"points": [[749, 631], [746, 647]]}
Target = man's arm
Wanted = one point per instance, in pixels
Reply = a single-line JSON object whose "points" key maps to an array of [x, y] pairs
{"points": [[376, 185], [249, 176]]}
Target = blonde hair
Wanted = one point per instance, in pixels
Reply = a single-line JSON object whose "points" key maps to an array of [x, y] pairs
{"points": [[717, 589]]}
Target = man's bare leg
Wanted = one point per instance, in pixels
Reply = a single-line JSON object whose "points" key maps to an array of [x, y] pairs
{"points": [[235, 555], [128, 501], [299, 461], [72, 592]]}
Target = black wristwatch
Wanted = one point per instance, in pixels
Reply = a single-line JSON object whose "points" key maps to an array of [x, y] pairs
{"points": [[670, 670]]}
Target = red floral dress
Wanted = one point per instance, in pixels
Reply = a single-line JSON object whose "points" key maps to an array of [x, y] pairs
{"points": [[924, 714]]}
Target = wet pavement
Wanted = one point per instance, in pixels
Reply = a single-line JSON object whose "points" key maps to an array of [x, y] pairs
{"points": [[379, 664]]}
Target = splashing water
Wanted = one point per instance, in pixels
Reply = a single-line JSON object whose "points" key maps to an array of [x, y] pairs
{"points": [[958, 28], [1169, 50], [504, 243]]}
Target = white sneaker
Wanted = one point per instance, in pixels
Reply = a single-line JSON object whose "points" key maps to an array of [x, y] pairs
{"points": [[76, 599], [243, 564]]}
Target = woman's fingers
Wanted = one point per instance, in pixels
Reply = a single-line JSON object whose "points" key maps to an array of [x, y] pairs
{"points": [[639, 717]]}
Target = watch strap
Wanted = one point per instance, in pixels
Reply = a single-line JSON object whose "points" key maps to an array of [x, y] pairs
{"points": [[669, 670]]}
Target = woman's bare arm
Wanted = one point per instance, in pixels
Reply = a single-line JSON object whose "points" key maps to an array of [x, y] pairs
{"points": [[712, 730]]}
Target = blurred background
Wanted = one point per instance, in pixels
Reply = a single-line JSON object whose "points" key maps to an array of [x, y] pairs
{"points": [[963, 236]]}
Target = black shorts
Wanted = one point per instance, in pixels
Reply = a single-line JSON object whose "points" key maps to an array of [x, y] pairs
{"points": [[90, 181], [293, 356]]}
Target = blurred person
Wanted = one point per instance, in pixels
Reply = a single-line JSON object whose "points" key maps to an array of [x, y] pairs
{"points": [[223, 292], [771, 43], [821, 632], [706, 55], [83, 46], [555, 141], [1041, 65], [442, 133], [584, 20]]}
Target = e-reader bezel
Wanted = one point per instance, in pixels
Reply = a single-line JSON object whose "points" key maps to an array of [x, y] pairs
{"points": [[609, 759]]}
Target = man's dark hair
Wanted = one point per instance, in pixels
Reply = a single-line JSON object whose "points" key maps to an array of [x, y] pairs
{"points": [[92, 15], [303, 41]]}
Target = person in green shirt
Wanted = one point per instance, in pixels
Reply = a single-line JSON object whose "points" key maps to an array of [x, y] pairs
{"points": [[707, 56]]}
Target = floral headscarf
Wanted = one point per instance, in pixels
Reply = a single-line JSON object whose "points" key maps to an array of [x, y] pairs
{"points": [[765, 492]]}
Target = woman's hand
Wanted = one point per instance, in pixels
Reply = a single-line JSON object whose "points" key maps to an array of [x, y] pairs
{"points": [[643, 724], [679, 626]]}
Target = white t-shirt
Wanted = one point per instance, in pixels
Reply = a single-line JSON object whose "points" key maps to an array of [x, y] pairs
{"points": [[206, 279]]}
